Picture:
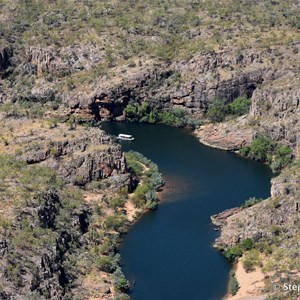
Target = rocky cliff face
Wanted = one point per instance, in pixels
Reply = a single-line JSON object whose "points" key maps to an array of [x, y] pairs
{"points": [[277, 105], [192, 84], [46, 244], [282, 209], [40, 272], [5, 55], [78, 155], [275, 108]]}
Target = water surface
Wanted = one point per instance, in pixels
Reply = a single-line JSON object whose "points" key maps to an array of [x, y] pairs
{"points": [[168, 252]]}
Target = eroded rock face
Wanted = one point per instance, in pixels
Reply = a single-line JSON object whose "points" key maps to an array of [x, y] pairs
{"points": [[79, 156], [5, 55], [230, 136], [193, 84], [278, 108], [40, 271], [255, 222]]}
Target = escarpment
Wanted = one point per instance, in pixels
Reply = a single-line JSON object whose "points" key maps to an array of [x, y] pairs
{"points": [[87, 60], [194, 83], [78, 155], [57, 182], [41, 269]]}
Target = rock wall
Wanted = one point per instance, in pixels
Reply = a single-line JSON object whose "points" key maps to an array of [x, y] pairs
{"points": [[282, 210], [193, 84], [278, 108], [40, 272], [5, 55], [79, 155]]}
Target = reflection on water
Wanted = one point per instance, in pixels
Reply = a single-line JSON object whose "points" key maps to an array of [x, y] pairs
{"points": [[175, 187]]}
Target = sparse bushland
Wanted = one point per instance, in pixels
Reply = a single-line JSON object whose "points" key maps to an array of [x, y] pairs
{"points": [[219, 109], [251, 260], [129, 28], [43, 213], [264, 149], [178, 117]]}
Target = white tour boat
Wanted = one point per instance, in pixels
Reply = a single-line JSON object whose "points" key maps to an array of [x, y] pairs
{"points": [[126, 137]]}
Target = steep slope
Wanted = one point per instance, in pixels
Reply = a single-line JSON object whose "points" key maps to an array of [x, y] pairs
{"points": [[75, 61]]}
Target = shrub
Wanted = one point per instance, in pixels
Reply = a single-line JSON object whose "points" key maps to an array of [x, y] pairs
{"points": [[261, 147], [107, 246], [247, 244], [252, 259], [264, 149], [251, 201], [217, 110], [105, 264], [116, 202], [275, 230], [115, 222], [135, 167], [234, 285], [123, 192], [139, 197], [133, 163], [235, 252], [248, 265], [153, 116], [131, 113], [119, 281], [239, 106], [178, 117], [151, 180], [122, 297], [79, 180], [283, 157]]}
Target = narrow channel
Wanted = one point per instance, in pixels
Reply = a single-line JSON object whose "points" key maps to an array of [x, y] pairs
{"points": [[168, 253]]}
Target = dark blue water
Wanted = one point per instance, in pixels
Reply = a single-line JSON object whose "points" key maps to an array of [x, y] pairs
{"points": [[168, 252]]}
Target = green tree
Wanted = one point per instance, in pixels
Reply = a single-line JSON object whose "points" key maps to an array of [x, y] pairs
{"points": [[153, 116], [143, 112], [217, 110], [131, 113], [105, 264], [239, 106], [261, 148], [119, 281]]}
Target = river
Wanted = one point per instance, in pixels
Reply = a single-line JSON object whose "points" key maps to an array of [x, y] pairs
{"points": [[168, 253]]}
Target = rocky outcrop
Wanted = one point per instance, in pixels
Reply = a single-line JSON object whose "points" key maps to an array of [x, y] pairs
{"points": [[260, 221], [193, 84], [5, 55], [230, 136], [62, 61], [277, 107], [40, 271], [275, 111], [79, 156]]}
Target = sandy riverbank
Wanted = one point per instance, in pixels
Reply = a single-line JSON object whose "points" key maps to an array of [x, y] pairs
{"points": [[250, 284]]}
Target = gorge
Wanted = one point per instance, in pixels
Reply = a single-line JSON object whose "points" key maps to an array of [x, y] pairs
{"points": [[168, 253], [229, 69]]}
